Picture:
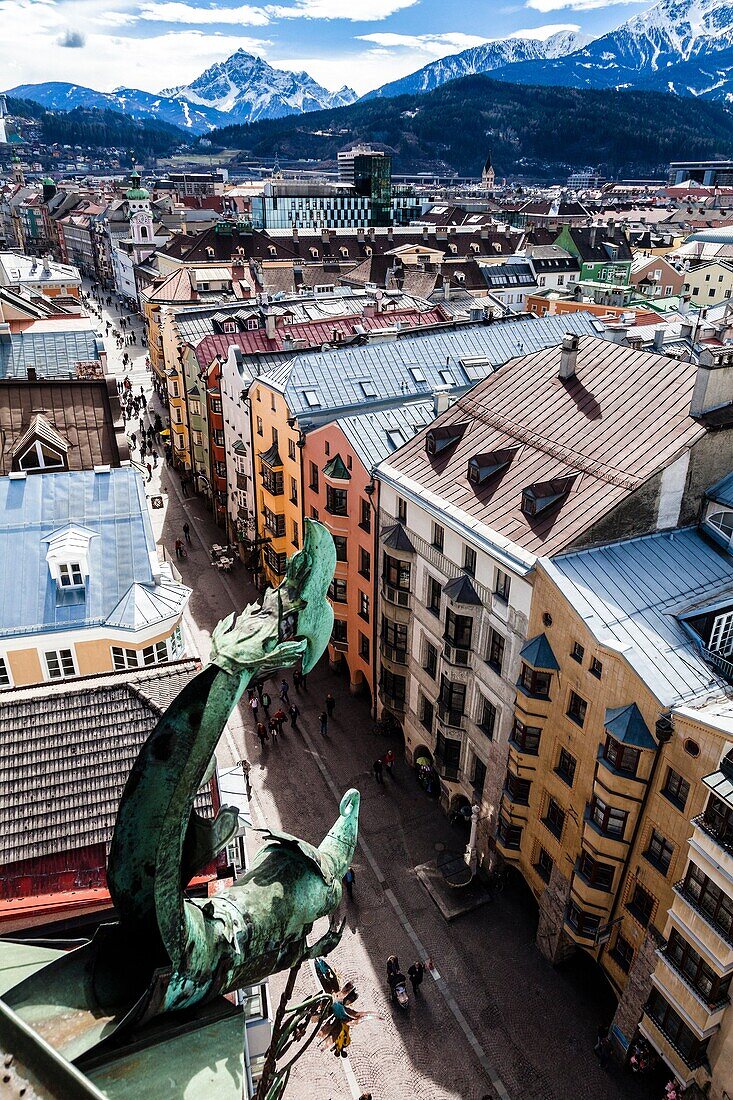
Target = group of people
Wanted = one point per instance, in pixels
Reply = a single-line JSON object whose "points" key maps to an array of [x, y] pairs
{"points": [[395, 977], [272, 727], [382, 762]]}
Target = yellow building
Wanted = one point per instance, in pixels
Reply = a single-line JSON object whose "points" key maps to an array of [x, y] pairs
{"points": [[91, 595], [709, 283], [607, 769], [278, 476]]}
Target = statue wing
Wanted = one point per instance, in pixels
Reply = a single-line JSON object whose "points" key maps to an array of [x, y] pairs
{"points": [[286, 842]]}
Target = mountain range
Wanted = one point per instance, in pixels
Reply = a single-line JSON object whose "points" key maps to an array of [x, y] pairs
{"points": [[532, 132], [244, 88], [684, 47]]}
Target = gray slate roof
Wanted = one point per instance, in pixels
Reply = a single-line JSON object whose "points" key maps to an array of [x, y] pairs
{"points": [[629, 595], [318, 386], [67, 751]]}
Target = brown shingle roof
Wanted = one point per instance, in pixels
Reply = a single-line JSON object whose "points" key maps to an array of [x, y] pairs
{"points": [[84, 413], [622, 417]]}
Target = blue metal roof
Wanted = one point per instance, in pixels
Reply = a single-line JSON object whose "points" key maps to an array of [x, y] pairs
{"points": [[319, 386], [112, 506], [537, 652], [52, 354], [631, 595], [722, 491], [626, 724], [374, 435]]}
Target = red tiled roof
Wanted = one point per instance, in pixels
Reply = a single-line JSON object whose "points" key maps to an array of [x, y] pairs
{"points": [[623, 416], [314, 334]]}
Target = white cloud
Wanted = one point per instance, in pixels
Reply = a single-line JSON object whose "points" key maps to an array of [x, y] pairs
{"points": [[356, 11], [171, 12], [575, 5], [436, 44]]}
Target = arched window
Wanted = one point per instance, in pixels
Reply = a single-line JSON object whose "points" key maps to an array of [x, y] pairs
{"points": [[723, 520], [144, 232]]}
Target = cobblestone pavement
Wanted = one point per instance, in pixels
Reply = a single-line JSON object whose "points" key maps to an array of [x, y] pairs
{"points": [[500, 1021]]}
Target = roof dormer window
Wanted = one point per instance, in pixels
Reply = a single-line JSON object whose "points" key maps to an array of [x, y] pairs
{"points": [[229, 326], [544, 495], [481, 468], [68, 557], [439, 441]]}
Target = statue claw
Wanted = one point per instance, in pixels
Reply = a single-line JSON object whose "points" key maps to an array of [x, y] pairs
{"points": [[328, 941]]}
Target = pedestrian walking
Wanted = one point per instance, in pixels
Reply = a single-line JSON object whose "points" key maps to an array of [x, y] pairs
{"points": [[142, 425], [388, 760], [133, 440], [297, 679], [349, 880], [294, 715], [416, 973], [284, 692], [254, 704], [187, 533], [149, 468], [377, 769], [279, 718], [273, 730], [330, 704], [266, 700], [323, 719], [179, 548], [184, 486], [155, 460], [262, 734]]}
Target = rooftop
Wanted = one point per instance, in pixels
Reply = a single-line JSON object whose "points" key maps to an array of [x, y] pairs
{"points": [[621, 417], [120, 589], [320, 384], [375, 435], [67, 751], [18, 268], [52, 348], [86, 414], [629, 595]]}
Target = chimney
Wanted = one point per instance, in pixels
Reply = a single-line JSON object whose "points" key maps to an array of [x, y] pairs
{"points": [[592, 236], [659, 332], [295, 234], [46, 264], [270, 324], [31, 374], [425, 232], [446, 288], [686, 331], [713, 382], [568, 357], [441, 400]]}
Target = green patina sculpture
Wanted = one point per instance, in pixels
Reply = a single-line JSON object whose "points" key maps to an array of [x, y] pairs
{"points": [[166, 951]]}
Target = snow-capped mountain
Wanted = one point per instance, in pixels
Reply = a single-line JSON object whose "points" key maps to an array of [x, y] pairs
{"points": [[682, 46], [246, 88], [243, 88], [481, 59]]}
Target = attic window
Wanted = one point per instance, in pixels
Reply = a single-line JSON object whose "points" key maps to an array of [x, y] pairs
{"points": [[447, 377], [344, 251], [395, 439], [439, 441], [210, 253], [481, 468], [272, 250], [418, 375], [314, 253], [312, 399], [368, 389], [39, 456], [721, 636], [544, 495], [252, 324], [70, 575], [229, 326]]}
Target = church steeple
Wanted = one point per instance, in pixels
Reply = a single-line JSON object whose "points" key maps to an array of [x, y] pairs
{"points": [[488, 175]]}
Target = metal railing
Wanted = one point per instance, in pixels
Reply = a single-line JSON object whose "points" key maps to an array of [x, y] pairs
{"points": [[725, 842], [679, 889]]}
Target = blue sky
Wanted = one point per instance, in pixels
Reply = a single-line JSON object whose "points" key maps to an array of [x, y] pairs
{"points": [[153, 44]]}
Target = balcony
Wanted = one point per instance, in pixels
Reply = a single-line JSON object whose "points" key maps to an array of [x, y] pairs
{"points": [[690, 915], [682, 1066], [460, 658], [400, 597], [450, 717], [685, 998], [395, 654], [717, 848]]}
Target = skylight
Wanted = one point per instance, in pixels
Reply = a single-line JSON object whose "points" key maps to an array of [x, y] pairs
{"points": [[417, 373], [396, 439], [312, 399], [368, 389], [447, 377]]}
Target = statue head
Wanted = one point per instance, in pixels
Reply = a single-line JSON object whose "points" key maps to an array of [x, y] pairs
{"points": [[294, 621]]}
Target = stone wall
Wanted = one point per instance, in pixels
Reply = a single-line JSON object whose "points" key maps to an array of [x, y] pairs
{"points": [[551, 939]]}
